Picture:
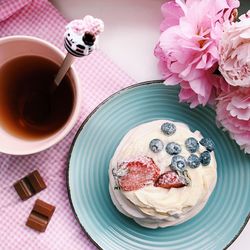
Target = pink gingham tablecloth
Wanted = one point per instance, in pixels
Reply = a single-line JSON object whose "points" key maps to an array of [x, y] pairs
{"points": [[100, 77]]}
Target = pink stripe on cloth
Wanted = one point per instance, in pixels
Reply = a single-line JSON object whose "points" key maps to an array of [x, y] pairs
{"points": [[100, 77]]}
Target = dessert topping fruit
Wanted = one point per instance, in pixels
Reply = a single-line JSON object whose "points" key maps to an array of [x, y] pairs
{"points": [[173, 148], [168, 128], [207, 143], [191, 144], [178, 163], [193, 161], [169, 179], [205, 158], [156, 145], [135, 174]]}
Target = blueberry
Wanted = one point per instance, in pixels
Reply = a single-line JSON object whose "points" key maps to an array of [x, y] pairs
{"points": [[168, 128], [193, 161], [191, 144], [205, 158], [156, 145], [173, 148], [178, 163], [207, 143]]}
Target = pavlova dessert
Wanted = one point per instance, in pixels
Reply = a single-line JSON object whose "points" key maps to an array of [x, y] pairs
{"points": [[162, 173]]}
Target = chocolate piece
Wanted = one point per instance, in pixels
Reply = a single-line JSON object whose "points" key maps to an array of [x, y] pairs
{"points": [[40, 216], [36, 181], [29, 185]]}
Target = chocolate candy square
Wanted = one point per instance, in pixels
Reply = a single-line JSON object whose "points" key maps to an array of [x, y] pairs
{"points": [[40, 216], [30, 185]]}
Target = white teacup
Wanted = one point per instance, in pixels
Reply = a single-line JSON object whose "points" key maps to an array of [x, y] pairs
{"points": [[16, 46]]}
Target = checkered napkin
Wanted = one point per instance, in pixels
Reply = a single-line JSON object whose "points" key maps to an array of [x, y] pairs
{"points": [[99, 79]]}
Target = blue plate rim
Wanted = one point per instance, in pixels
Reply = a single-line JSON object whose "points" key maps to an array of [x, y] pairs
{"points": [[72, 148]]}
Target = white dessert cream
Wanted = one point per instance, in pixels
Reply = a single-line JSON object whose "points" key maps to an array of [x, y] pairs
{"points": [[155, 206]]}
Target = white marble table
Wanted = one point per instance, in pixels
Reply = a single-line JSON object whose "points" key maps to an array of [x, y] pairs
{"points": [[131, 32]]}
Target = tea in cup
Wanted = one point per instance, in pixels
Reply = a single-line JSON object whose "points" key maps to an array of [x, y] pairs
{"points": [[33, 115]]}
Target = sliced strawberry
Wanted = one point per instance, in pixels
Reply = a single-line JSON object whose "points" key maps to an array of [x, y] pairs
{"points": [[169, 179], [136, 174]]}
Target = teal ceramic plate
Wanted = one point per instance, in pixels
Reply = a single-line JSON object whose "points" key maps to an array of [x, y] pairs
{"points": [[215, 227]]}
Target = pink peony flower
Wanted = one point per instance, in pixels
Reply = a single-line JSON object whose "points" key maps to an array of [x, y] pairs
{"points": [[189, 92], [234, 49], [171, 12], [233, 113], [187, 48]]}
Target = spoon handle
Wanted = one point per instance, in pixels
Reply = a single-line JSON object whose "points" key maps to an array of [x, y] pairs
{"points": [[67, 62]]}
